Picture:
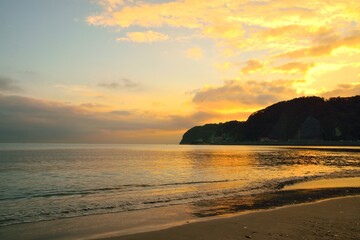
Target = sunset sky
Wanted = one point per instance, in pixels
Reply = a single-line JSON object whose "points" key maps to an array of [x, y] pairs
{"points": [[127, 71]]}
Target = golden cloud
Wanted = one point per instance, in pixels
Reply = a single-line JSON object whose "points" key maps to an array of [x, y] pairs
{"points": [[345, 90], [176, 14], [252, 66], [280, 33], [295, 67], [328, 76], [224, 31], [238, 23], [144, 37], [244, 95], [234, 19], [325, 49]]}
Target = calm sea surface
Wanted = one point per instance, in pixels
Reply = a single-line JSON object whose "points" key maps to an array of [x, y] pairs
{"points": [[51, 181]]}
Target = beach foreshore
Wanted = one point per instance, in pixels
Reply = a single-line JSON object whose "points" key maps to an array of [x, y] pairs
{"points": [[318, 209], [337, 218]]}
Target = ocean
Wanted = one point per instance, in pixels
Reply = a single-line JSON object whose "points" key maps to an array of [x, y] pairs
{"points": [[41, 182]]}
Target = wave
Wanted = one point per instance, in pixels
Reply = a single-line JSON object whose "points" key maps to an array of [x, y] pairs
{"points": [[113, 205], [119, 188]]}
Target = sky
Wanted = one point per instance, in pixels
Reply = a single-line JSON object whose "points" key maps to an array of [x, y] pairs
{"points": [[127, 71]]}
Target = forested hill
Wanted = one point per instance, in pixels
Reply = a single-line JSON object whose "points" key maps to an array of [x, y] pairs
{"points": [[299, 119]]}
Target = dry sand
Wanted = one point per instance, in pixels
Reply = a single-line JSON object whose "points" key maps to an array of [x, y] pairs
{"points": [[330, 219]]}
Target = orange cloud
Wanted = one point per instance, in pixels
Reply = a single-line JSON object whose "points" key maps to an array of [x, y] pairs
{"points": [[345, 90], [325, 49], [295, 67], [252, 66], [244, 94]]}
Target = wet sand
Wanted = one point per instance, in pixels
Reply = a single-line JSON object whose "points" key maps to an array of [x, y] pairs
{"points": [[329, 219], [318, 209]]}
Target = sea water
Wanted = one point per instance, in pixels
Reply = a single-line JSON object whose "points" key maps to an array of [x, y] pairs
{"points": [[41, 182]]}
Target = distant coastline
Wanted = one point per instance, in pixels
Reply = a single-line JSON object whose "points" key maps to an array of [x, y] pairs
{"points": [[287, 143], [307, 121]]}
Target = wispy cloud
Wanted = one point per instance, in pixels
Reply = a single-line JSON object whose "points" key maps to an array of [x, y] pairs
{"points": [[144, 37], [123, 83]]}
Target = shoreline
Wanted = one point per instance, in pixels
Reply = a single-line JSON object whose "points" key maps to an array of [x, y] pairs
{"points": [[118, 225], [109, 227], [271, 200], [323, 219]]}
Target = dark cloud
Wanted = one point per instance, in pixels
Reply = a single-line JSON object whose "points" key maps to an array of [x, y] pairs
{"points": [[9, 85], [121, 84], [25, 119], [122, 113]]}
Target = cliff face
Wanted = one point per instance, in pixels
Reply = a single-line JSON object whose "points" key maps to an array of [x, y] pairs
{"points": [[306, 118]]}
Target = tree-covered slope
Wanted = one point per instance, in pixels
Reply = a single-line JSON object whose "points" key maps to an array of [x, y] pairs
{"points": [[305, 118]]}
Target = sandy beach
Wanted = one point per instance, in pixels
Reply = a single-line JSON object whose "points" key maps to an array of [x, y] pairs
{"points": [[329, 219], [336, 218]]}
